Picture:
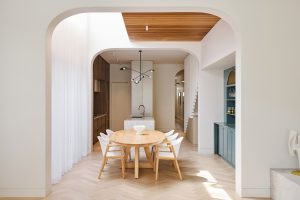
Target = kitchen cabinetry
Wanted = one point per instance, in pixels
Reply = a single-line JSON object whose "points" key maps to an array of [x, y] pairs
{"points": [[225, 142], [224, 132], [100, 97]]}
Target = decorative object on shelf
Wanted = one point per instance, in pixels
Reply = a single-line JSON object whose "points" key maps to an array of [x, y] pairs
{"points": [[231, 92], [231, 110], [294, 148], [141, 75], [231, 78], [139, 129]]}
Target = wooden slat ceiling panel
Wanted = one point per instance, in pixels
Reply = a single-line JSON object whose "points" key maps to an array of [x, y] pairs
{"points": [[168, 26]]}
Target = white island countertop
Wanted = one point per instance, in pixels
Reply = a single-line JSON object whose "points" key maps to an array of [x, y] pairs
{"points": [[147, 121]]}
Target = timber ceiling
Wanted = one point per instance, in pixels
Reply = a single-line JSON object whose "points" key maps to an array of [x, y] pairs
{"points": [[172, 26]]}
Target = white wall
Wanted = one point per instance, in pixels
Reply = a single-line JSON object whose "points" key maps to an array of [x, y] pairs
{"points": [[218, 43], [118, 76], [191, 73], [267, 76], [164, 95], [216, 46], [211, 107], [142, 93]]}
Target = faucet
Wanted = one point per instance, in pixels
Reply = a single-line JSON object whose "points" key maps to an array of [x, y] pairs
{"points": [[143, 113]]}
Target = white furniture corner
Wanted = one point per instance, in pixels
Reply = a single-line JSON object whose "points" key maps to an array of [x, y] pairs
{"points": [[284, 185], [147, 121]]}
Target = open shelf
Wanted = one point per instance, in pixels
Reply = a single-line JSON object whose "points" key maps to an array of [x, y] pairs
{"points": [[231, 85], [229, 95], [230, 114]]}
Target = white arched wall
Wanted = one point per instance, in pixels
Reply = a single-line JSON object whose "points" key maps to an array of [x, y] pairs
{"points": [[269, 60]]}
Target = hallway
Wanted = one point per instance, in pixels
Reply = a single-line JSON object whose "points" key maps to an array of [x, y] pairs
{"points": [[204, 177]]}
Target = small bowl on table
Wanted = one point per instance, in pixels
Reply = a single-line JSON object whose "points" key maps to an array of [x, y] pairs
{"points": [[139, 129]]}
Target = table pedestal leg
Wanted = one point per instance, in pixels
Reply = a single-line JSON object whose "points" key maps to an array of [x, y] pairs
{"points": [[136, 161]]}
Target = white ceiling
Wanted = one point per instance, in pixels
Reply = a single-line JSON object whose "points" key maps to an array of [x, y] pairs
{"points": [[157, 56]]}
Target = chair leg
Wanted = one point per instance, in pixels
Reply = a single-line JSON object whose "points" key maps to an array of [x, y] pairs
{"points": [[123, 167], [178, 169], [154, 165], [104, 160], [154, 162], [156, 170]]}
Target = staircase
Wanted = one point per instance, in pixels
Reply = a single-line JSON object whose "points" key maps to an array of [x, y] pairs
{"points": [[193, 111]]}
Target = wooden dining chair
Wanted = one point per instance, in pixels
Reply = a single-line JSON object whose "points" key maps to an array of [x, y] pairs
{"points": [[169, 133], [108, 153], [116, 147], [164, 146], [174, 146]]}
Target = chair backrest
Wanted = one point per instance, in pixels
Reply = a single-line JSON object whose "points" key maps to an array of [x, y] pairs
{"points": [[109, 132], [169, 133], [103, 144], [172, 137], [176, 145], [103, 135]]}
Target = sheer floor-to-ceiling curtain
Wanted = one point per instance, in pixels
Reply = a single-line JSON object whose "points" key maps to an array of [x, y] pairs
{"points": [[71, 95]]}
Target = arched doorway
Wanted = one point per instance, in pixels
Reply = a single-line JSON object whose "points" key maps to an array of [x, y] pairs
{"points": [[192, 50], [179, 101]]}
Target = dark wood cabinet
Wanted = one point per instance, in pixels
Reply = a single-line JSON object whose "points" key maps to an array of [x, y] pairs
{"points": [[101, 96]]}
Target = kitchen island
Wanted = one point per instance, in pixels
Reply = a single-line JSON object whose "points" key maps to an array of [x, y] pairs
{"points": [[147, 121]]}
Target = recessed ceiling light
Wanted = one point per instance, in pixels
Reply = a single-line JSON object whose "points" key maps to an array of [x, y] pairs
{"points": [[146, 28]]}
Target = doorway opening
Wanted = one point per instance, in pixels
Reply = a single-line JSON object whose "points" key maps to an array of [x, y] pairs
{"points": [[157, 45], [179, 101]]}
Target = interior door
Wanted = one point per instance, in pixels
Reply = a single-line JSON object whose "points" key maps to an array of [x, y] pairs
{"points": [[120, 104]]}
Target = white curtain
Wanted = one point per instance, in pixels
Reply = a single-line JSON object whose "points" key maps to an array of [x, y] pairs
{"points": [[71, 95]]}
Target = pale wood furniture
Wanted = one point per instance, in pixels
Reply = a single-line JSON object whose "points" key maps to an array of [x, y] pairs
{"points": [[111, 151], [129, 138], [164, 146], [168, 155]]}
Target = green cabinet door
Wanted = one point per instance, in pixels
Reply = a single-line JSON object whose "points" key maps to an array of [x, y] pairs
{"points": [[233, 149], [225, 144], [221, 141], [229, 142]]}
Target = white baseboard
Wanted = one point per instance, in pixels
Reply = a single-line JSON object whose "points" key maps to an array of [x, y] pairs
{"points": [[21, 192], [256, 192], [205, 150]]}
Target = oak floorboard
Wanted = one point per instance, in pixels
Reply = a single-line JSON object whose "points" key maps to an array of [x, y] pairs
{"points": [[205, 177]]}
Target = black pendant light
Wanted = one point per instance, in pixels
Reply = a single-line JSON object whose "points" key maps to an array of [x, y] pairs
{"points": [[141, 75]]}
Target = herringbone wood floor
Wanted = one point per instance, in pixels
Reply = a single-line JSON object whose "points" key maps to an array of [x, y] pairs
{"points": [[204, 177]]}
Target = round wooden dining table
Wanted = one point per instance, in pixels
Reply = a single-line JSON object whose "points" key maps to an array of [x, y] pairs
{"points": [[129, 138]]}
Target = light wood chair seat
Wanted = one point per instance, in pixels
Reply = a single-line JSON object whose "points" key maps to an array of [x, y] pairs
{"points": [[114, 154], [166, 155]]}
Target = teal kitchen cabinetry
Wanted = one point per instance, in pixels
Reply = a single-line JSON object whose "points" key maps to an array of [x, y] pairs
{"points": [[225, 142], [224, 132]]}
